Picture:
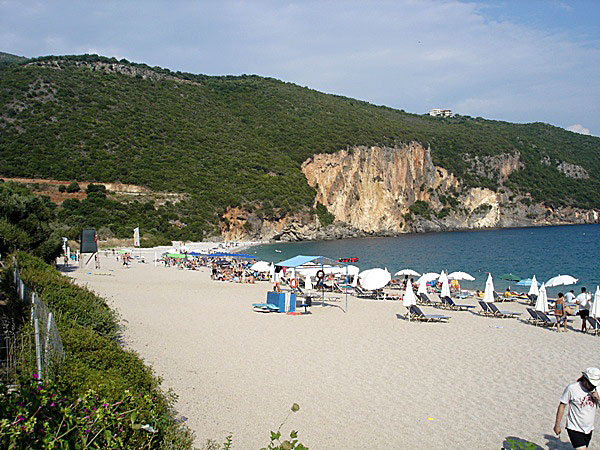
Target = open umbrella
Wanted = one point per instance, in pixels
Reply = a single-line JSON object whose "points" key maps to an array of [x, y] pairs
{"points": [[510, 277], [260, 266], [541, 304], [429, 276], [534, 289], [407, 272], [461, 276], [488, 295], [374, 278], [560, 280]]}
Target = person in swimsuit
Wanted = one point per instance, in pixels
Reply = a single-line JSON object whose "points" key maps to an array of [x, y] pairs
{"points": [[560, 313]]}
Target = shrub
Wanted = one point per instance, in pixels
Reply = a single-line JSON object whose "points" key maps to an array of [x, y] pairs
{"points": [[73, 187], [421, 208], [62, 188]]}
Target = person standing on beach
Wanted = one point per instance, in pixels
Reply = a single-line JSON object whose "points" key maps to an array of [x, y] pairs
{"points": [[560, 313], [584, 307], [582, 400]]}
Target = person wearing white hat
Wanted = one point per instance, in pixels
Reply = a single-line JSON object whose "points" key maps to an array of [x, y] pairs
{"points": [[582, 399]]}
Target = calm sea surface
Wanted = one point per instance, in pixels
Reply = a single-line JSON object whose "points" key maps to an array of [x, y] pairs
{"points": [[545, 252]]}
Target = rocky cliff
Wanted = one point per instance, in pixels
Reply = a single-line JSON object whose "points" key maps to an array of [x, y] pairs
{"points": [[387, 191]]}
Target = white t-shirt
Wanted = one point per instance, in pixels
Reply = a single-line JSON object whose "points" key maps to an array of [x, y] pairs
{"points": [[583, 301], [581, 406], [569, 296]]}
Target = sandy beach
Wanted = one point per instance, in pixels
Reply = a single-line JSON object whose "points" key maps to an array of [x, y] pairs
{"points": [[363, 379]]}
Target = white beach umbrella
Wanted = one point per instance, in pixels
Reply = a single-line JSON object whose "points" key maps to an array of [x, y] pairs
{"points": [[461, 276], [352, 270], [561, 280], [307, 283], [488, 295], [272, 271], [534, 289], [443, 276], [429, 276], [595, 310], [374, 278], [260, 266], [409, 296], [445, 288], [407, 272], [422, 289], [541, 303]]}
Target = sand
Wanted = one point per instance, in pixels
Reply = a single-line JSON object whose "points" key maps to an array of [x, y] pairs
{"points": [[363, 379]]}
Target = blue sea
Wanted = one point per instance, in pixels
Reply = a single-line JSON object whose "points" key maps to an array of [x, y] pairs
{"points": [[543, 251]]}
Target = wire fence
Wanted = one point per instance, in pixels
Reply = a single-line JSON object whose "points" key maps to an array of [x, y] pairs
{"points": [[39, 350]]}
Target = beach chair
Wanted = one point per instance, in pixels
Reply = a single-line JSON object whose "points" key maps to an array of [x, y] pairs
{"points": [[450, 304], [415, 312], [547, 321], [265, 307], [485, 310], [594, 327], [434, 299], [424, 299], [497, 313], [533, 317], [532, 299]]}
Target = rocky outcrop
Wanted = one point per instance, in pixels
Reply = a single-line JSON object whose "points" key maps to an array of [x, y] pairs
{"points": [[391, 190]]}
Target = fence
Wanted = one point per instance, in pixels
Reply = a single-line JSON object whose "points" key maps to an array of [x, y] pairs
{"points": [[49, 351]]}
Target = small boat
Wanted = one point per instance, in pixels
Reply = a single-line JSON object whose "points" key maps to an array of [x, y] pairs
{"points": [[352, 259], [277, 251]]}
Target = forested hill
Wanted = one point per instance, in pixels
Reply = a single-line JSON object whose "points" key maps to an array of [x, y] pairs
{"points": [[240, 140]]}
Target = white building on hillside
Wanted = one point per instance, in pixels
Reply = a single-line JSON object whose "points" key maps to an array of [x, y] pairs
{"points": [[437, 112]]}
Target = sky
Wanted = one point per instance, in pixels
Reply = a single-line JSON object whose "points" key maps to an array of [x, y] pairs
{"points": [[512, 60]]}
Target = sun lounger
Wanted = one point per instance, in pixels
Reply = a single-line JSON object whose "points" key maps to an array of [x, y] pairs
{"points": [[594, 327], [265, 307], [416, 313], [485, 309], [434, 299], [533, 317], [499, 313], [450, 304], [547, 321], [424, 299], [532, 298]]}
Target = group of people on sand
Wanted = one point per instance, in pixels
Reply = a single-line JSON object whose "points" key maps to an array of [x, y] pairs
{"points": [[563, 309]]}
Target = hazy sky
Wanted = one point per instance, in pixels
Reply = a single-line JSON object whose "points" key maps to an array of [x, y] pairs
{"points": [[519, 60]]}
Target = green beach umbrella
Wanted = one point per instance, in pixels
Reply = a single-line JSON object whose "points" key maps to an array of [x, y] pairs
{"points": [[175, 255], [510, 277]]}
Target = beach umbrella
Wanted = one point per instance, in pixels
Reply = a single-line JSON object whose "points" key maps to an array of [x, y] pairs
{"points": [[461, 276], [443, 277], [541, 304], [422, 289], [352, 270], [374, 278], [260, 266], [534, 289], [407, 272], [445, 288], [409, 296], [488, 295], [307, 283], [561, 280], [430, 276], [510, 277], [272, 271]]}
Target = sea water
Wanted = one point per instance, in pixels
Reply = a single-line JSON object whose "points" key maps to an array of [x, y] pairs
{"points": [[543, 251]]}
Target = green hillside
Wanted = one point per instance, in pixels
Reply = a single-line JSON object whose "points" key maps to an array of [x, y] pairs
{"points": [[239, 140], [7, 58]]}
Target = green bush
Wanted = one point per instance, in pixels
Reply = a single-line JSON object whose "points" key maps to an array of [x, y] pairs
{"points": [[421, 208], [73, 187]]}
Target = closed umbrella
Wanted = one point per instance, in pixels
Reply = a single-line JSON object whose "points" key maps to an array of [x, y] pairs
{"points": [[409, 298], [461, 276], [561, 280], [260, 266], [442, 277], [595, 310], [534, 289], [422, 289], [407, 272], [541, 304], [488, 295], [374, 278], [445, 288]]}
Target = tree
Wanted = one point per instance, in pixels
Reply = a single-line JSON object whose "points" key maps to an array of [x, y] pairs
{"points": [[73, 187]]}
